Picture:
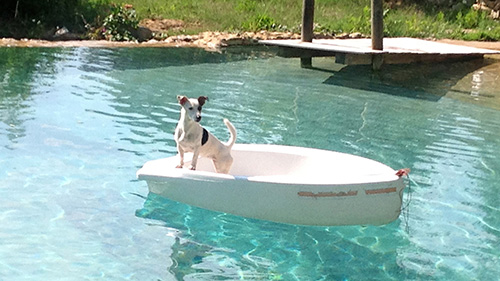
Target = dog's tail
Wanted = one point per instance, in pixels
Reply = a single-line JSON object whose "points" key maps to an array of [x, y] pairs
{"points": [[232, 132]]}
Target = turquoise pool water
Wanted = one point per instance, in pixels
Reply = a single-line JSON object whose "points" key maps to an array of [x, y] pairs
{"points": [[76, 124]]}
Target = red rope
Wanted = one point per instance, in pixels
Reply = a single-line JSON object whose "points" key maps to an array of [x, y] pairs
{"points": [[403, 172]]}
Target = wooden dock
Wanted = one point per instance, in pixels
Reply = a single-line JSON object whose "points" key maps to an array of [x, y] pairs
{"points": [[360, 51], [375, 51]]}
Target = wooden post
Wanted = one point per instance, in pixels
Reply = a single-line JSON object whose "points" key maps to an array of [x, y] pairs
{"points": [[377, 25], [307, 21], [307, 29], [377, 61]]}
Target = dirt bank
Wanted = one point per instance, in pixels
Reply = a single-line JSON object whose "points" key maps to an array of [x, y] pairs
{"points": [[206, 40]]}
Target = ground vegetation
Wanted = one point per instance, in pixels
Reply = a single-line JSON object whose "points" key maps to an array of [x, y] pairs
{"points": [[117, 20]]}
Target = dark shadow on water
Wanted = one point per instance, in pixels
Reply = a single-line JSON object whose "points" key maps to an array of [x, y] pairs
{"points": [[19, 70], [147, 58], [427, 81]]}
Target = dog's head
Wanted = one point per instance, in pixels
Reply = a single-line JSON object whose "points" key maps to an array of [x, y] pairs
{"points": [[192, 106]]}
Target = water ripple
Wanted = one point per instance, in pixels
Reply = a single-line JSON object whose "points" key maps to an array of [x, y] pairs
{"points": [[75, 124]]}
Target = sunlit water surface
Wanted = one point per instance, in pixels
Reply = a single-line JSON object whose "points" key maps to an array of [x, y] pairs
{"points": [[76, 124]]}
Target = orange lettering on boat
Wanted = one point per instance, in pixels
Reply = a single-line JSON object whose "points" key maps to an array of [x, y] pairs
{"points": [[380, 191], [327, 194]]}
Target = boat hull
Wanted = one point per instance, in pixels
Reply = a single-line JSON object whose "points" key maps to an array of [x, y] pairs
{"points": [[294, 197]]}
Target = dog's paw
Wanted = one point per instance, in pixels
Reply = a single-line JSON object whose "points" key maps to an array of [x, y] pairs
{"points": [[179, 166], [192, 168]]}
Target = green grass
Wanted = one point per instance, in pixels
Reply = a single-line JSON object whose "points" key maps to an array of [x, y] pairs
{"points": [[331, 16], [220, 15], [464, 24]]}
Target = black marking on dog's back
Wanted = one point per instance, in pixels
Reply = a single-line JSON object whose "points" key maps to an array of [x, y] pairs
{"points": [[204, 138]]}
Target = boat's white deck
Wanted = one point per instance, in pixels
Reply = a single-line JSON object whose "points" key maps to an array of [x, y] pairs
{"points": [[282, 164]]}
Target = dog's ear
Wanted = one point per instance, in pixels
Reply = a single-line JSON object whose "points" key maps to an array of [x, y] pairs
{"points": [[202, 99], [182, 99]]}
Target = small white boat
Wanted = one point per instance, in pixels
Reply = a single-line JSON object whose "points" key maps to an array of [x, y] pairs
{"points": [[285, 184]]}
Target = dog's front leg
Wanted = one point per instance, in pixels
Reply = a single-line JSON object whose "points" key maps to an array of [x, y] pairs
{"points": [[196, 152], [181, 156]]}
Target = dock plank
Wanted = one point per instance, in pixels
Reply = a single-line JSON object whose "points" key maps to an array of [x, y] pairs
{"points": [[396, 50]]}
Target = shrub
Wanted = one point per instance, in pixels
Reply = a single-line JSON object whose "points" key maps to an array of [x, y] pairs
{"points": [[120, 23]]}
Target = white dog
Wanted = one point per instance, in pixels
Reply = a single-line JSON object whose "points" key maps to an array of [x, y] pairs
{"points": [[190, 136]]}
